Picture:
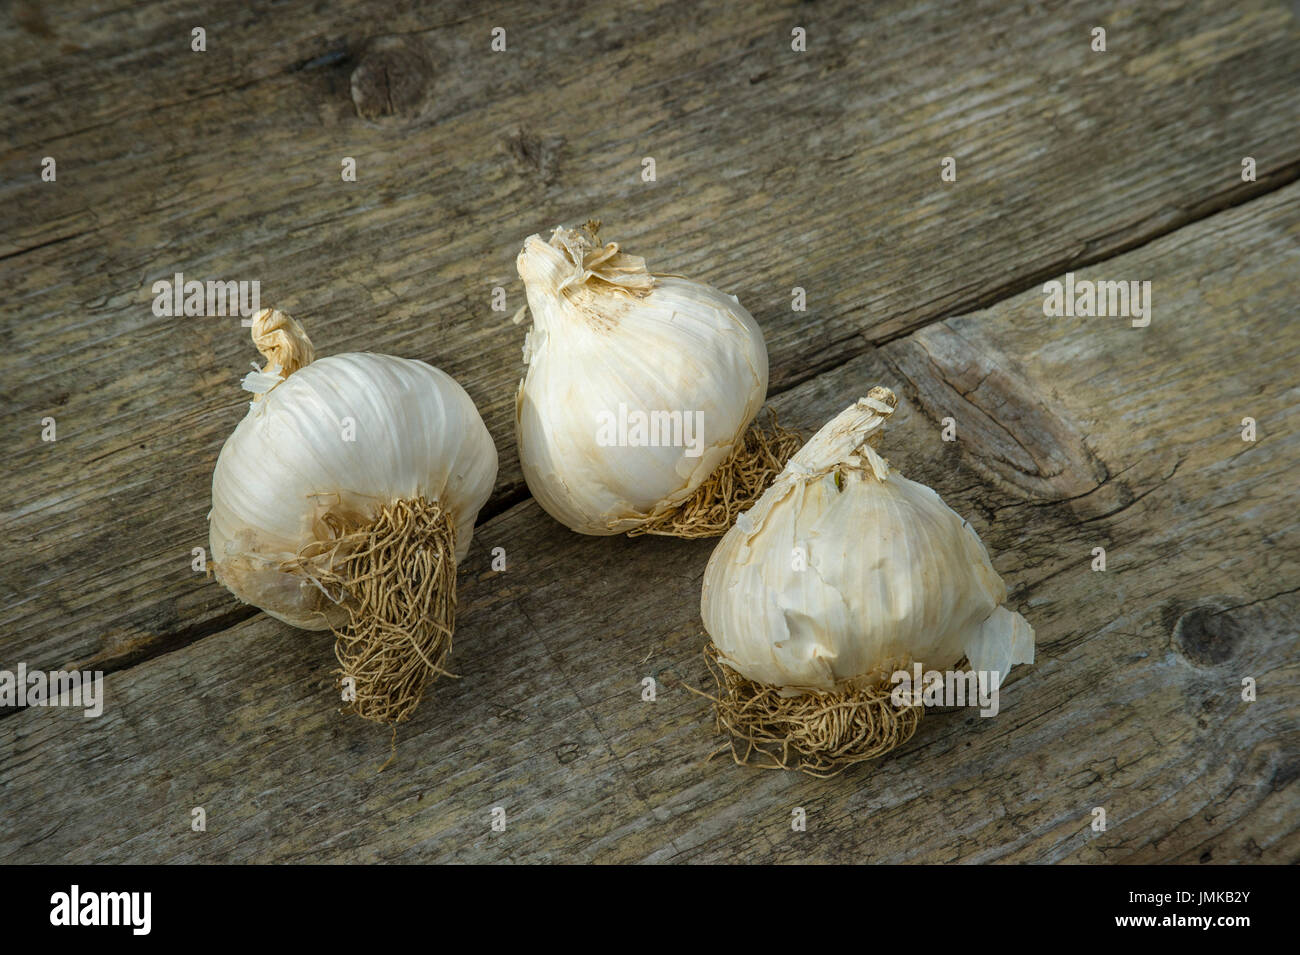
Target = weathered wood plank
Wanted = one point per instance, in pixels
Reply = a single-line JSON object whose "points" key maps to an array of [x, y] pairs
{"points": [[775, 169], [1134, 704], [226, 165]]}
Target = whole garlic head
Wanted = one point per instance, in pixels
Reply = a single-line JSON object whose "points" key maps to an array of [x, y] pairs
{"points": [[610, 340], [845, 571], [346, 434]]}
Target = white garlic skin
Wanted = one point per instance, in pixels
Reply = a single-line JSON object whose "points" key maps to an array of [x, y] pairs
{"points": [[893, 576], [417, 433], [684, 346]]}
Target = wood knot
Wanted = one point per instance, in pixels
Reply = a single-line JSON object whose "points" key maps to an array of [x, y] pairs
{"points": [[391, 79], [1016, 438], [1207, 635], [535, 155]]}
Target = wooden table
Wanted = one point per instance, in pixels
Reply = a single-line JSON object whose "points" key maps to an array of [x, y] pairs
{"points": [[775, 169]]}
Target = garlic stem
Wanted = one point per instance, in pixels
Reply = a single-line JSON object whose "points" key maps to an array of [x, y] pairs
{"points": [[283, 343]]}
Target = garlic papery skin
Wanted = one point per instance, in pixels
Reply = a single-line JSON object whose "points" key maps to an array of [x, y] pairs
{"points": [[609, 338], [347, 435], [845, 572]]}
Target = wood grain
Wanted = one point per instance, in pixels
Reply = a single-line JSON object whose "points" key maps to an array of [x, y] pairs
{"points": [[1072, 434], [775, 170]]}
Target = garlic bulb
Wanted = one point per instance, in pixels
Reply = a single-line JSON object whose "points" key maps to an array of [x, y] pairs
{"points": [[328, 447], [845, 572], [638, 386]]}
